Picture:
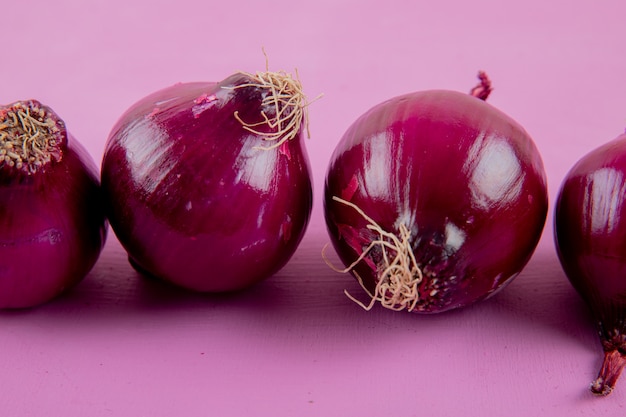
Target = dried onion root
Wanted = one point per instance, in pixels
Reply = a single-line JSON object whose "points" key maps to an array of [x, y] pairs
{"points": [[29, 137], [288, 101], [399, 275]]}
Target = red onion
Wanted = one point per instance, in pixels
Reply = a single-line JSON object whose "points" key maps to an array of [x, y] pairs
{"points": [[51, 211], [590, 237], [435, 200], [209, 184]]}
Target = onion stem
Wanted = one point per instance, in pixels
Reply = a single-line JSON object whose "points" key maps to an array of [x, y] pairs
{"points": [[612, 367], [484, 88]]}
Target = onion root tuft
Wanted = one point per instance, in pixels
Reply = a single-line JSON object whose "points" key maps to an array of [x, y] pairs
{"points": [[398, 272]]}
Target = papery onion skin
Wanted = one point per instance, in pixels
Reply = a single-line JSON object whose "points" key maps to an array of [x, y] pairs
{"points": [[52, 215], [195, 198], [590, 237], [465, 180]]}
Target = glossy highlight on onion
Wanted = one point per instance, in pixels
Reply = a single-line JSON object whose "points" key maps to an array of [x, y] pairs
{"points": [[52, 218], [590, 237], [434, 200], [209, 184]]}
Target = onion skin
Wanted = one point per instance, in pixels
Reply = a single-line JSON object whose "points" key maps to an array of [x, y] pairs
{"points": [[590, 237], [52, 215], [193, 197], [465, 180]]}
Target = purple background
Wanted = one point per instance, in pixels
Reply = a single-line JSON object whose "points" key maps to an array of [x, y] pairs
{"points": [[119, 345]]}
